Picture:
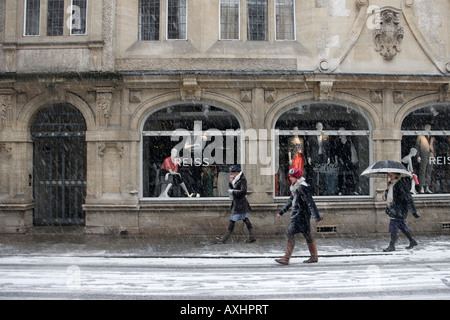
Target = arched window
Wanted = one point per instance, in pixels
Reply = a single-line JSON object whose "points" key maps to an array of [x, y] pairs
{"points": [[187, 150], [425, 148], [330, 143]]}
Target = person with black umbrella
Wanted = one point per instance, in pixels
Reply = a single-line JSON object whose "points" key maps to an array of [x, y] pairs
{"points": [[399, 203], [398, 198]]}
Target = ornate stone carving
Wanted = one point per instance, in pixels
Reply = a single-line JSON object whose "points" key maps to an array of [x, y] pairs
{"points": [[101, 149], [270, 96], [389, 36], [104, 105], [4, 110], [190, 89], [325, 90], [121, 148], [9, 149], [246, 95]]}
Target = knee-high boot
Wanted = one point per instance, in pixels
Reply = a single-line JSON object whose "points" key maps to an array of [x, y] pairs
{"points": [[224, 238], [391, 246], [313, 252], [412, 242], [289, 249], [251, 237]]}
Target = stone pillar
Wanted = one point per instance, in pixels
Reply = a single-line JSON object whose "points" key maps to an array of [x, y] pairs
{"points": [[387, 146], [112, 182], [16, 170]]}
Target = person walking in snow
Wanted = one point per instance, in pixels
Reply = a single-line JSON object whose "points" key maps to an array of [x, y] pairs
{"points": [[303, 207], [239, 205], [399, 203]]}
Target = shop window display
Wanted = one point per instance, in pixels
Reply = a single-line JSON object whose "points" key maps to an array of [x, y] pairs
{"points": [[329, 143], [187, 150], [425, 149]]}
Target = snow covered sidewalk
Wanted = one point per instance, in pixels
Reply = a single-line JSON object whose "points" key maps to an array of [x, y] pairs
{"points": [[189, 247], [79, 267]]}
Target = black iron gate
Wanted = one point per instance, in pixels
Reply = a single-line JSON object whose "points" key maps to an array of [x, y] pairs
{"points": [[59, 166]]}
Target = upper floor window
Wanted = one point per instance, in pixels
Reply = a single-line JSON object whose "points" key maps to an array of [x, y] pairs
{"points": [[257, 20], [78, 22], [229, 19], [284, 18], [176, 20], [55, 17], [149, 16], [32, 17], [55, 23]]}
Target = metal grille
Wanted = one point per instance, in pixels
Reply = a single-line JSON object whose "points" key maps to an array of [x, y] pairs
{"points": [[59, 164]]}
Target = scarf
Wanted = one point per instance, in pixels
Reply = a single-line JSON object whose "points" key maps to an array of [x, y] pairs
{"points": [[296, 186], [236, 179]]}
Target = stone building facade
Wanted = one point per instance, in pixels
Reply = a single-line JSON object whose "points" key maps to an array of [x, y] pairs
{"points": [[95, 94]]}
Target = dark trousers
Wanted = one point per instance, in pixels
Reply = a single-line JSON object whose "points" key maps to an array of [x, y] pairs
{"points": [[398, 224]]}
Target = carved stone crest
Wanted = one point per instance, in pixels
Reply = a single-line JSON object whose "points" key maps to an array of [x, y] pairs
{"points": [[389, 36]]}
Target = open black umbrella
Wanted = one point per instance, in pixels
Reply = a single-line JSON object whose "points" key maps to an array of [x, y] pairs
{"points": [[386, 166]]}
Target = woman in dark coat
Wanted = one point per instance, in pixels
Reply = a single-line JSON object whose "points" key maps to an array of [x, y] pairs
{"points": [[239, 205], [303, 206], [399, 203]]}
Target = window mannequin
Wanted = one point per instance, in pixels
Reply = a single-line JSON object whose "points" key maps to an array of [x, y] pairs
{"points": [[318, 154], [408, 160], [425, 147], [170, 170], [345, 159], [296, 148], [318, 148]]}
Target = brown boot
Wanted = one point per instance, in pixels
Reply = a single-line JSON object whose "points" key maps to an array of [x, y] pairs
{"points": [[287, 255], [313, 251]]}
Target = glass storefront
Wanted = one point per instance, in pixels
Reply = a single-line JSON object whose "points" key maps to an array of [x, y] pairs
{"points": [[330, 143], [425, 148], [187, 150]]}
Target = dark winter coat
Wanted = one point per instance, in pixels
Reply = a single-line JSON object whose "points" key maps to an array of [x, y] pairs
{"points": [[239, 191], [303, 207], [402, 200]]}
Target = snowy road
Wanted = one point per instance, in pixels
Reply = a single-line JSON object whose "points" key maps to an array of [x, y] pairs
{"points": [[402, 275]]}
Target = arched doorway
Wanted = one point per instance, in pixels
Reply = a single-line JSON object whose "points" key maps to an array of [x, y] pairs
{"points": [[207, 141], [59, 165], [330, 143]]}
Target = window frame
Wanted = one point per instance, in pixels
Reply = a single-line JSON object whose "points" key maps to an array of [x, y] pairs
{"points": [[85, 19], [275, 2], [326, 132], [140, 24], [238, 26], [25, 16], [437, 133], [58, 29], [266, 23], [238, 133], [186, 22]]}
